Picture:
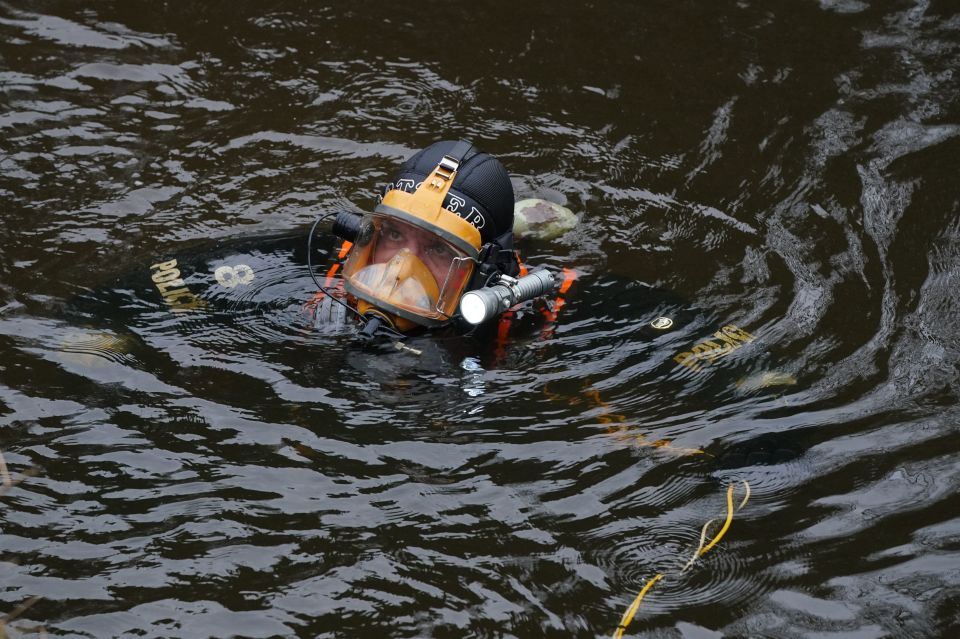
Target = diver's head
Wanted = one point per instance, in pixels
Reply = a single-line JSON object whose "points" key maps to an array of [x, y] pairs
{"points": [[447, 210]]}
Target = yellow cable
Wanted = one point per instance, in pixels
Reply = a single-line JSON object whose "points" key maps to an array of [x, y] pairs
{"points": [[4, 473], [696, 553], [632, 610], [703, 532], [746, 497], [701, 551], [726, 524]]}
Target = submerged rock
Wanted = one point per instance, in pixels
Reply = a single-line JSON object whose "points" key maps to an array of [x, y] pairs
{"points": [[541, 220], [765, 379], [95, 349]]}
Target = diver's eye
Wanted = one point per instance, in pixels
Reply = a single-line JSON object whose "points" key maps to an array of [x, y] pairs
{"points": [[393, 234], [439, 250]]}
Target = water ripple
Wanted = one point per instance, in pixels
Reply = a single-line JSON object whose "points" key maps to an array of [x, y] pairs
{"points": [[784, 170]]}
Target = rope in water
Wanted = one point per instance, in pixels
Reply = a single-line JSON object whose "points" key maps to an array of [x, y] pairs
{"points": [[618, 426], [702, 549]]}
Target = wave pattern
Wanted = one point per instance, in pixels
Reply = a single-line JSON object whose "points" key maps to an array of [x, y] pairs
{"points": [[776, 181]]}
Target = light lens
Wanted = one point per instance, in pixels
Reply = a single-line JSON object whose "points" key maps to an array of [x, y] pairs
{"points": [[473, 308]]}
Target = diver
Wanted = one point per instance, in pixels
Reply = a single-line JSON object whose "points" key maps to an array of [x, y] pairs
{"points": [[437, 250], [436, 256]]}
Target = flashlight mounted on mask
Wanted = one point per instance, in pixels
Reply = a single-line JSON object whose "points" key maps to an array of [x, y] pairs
{"points": [[479, 305], [346, 225]]}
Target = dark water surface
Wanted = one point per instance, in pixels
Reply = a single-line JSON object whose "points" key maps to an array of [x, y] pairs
{"points": [[789, 168]]}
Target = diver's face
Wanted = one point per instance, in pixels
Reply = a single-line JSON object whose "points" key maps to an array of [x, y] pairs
{"points": [[432, 251]]}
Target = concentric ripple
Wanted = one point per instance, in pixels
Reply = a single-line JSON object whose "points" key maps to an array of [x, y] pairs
{"points": [[766, 263]]}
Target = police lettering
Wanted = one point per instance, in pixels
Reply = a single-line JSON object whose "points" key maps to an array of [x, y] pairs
{"points": [[172, 288], [727, 339]]}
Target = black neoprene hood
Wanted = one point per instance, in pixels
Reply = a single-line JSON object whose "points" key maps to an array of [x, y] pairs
{"points": [[481, 193]]}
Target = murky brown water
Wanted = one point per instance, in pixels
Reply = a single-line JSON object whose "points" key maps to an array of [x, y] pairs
{"points": [[788, 168]]}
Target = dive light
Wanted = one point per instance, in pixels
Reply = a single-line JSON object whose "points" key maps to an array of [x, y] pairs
{"points": [[346, 225], [483, 303]]}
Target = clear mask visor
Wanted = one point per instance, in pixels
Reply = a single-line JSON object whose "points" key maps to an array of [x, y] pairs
{"points": [[396, 264]]}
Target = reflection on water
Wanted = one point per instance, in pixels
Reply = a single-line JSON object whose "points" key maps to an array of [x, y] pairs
{"points": [[186, 454]]}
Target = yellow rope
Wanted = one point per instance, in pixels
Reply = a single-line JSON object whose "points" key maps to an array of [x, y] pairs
{"points": [[726, 524], [19, 610], [746, 497], [696, 553], [703, 531], [700, 552], [632, 610], [4, 473], [7, 482], [619, 426]]}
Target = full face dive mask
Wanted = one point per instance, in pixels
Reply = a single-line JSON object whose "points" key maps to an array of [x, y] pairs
{"points": [[413, 258]]}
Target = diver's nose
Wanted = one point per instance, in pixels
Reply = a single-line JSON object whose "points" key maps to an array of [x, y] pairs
{"points": [[414, 244]]}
